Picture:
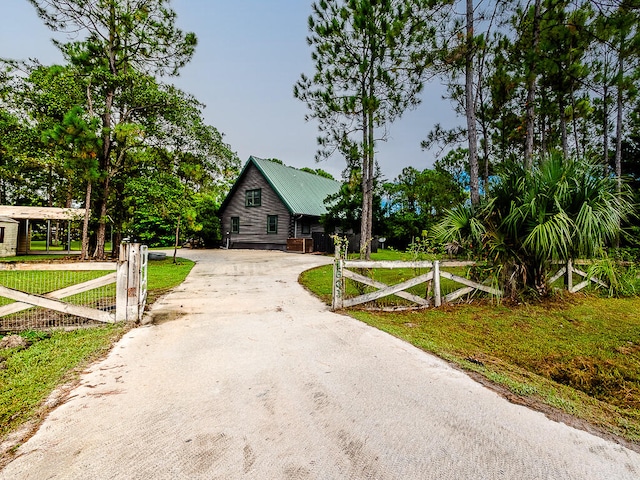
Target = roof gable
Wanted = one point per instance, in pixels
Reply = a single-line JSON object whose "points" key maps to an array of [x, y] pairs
{"points": [[301, 192]]}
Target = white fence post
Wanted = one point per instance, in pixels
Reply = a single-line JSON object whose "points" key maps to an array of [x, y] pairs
{"points": [[133, 282], [130, 283], [569, 275], [437, 298], [338, 281], [122, 274], [144, 268]]}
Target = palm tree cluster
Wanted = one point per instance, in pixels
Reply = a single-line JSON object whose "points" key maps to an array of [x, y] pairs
{"points": [[529, 219]]}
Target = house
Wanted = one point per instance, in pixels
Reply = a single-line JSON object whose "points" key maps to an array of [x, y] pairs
{"points": [[272, 205], [24, 217]]}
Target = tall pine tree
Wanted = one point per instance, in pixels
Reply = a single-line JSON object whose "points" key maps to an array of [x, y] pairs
{"points": [[370, 58], [123, 42]]}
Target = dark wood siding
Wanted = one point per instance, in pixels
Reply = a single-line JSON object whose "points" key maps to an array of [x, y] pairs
{"points": [[253, 220], [295, 229], [23, 238]]}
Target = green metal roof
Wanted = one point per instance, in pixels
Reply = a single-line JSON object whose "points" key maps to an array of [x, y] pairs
{"points": [[302, 193]]}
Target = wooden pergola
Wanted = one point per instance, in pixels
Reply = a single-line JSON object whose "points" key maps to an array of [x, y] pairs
{"points": [[24, 215]]}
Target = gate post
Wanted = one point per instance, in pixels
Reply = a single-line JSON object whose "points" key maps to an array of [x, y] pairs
{"points": [[133, 282], [122, 275], [129, 294]]}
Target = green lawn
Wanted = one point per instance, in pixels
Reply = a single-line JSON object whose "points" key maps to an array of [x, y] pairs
{"points": [[76, 245], [32, 258], [579, 354], [27, 377]]}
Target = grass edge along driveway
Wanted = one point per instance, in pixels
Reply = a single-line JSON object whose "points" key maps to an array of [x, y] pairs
{"points": [[28, 377], [574, 357]]}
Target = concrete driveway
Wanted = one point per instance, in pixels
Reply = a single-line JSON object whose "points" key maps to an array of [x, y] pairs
{"points": [[249, 377]]}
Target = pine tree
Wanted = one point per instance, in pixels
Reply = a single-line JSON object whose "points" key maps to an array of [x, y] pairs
{"points": [[370, 58], [124, 42]]}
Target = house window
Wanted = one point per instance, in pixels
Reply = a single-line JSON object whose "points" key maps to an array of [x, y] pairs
{"points": [[1, 234], [235, 224], [253, 198], [306, 227], [272, 224]]}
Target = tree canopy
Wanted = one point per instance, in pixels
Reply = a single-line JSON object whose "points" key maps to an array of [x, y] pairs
{"points": [[106, 121], [530, 80]]}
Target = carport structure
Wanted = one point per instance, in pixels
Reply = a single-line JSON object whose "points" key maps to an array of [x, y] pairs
{"points": [[27, 215]]}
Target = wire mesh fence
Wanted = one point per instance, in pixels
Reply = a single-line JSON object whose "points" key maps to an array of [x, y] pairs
{"points": [[83, 288]]}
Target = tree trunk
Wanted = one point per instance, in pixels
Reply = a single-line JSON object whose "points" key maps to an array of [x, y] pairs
{"points": [[84, 253], [105, 165], [117, 240], [370, 179], [366, 221], [543, 123], [485, 144], [574, 122], [619, 107], [367, 188], [563, 129], [363, 177], [471, 110], [101, 232], [175, 246], [531, 91], [605, 121]]}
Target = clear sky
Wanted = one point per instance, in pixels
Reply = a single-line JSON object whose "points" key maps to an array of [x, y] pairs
{"points": [[250, 54]]}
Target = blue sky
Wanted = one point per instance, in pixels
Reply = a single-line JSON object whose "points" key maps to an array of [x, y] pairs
{"points": [[250, 54]]}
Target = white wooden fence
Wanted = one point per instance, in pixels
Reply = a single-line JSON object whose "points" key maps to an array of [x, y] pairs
{"points": [[129, 274], [568, 270], [341, 272]]}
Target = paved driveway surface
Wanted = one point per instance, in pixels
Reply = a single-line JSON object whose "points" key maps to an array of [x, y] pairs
{"points": [[249, 377]]}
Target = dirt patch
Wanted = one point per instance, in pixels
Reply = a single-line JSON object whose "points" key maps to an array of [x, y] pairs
{"points": [[164, 316], [14, 341], [629, 349], [614, 383]]}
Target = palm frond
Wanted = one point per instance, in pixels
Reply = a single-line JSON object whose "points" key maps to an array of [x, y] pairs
{"points": [[550, 239]]}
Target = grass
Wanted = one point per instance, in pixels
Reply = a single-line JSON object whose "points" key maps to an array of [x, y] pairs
{"points": [[28, 376], [32, 258], [577, 354], [76, 245], [163, 275], [41, 282]]}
